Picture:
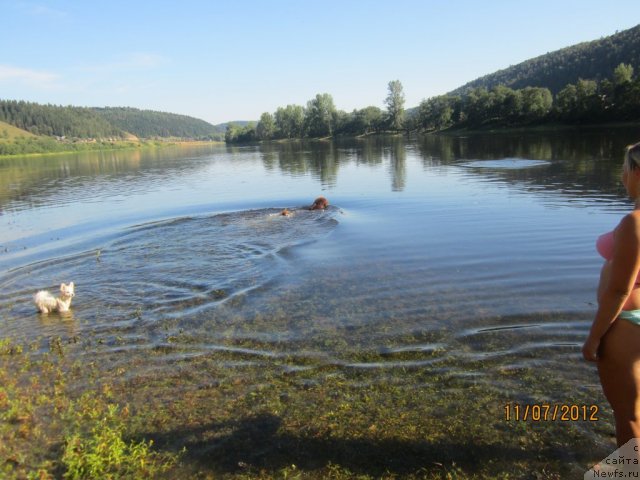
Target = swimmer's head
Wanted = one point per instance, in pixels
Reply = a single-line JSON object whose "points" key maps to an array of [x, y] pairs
{"points": [[319, 203], [631, 172], [632, 156]]}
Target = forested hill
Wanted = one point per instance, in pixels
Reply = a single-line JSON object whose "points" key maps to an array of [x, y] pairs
{"points": [[148, 123], [589, 60], [101, 123], [56, 120]]}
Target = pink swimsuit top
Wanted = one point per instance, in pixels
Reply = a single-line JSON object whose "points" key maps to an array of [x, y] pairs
{"points": [[604, 246]]}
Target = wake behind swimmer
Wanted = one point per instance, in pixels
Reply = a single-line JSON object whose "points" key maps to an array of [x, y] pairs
{"points": [[319, 203]]}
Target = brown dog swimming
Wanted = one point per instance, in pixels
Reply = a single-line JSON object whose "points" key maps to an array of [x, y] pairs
{"points": [[319, 203]]}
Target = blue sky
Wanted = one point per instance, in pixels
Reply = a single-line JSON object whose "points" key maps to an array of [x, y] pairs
{"points": [[228, 60]]}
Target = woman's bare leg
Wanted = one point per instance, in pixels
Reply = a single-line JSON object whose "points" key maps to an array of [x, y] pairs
{"points": [[619, 369]]}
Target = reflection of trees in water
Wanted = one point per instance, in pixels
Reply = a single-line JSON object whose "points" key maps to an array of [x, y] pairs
{"points": [[269, 157], [322, 159], [398, 164], [581, 160], [296, 158], [369, 151], [32, 180]]}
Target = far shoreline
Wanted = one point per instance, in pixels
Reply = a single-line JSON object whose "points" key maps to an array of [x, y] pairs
{"points": [[118, 147], [487, 130], [540, 128], [490, 130]]}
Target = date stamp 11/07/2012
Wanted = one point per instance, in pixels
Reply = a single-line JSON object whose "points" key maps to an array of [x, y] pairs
{"points": [[547, 412]]}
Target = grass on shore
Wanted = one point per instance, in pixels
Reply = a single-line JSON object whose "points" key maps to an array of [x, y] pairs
{"points": [[8, 132], [17, 142], [37, 147], [64, 418]]}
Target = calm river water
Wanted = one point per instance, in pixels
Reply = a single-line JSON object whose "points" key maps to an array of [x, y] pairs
{"points": [[472, 257]]}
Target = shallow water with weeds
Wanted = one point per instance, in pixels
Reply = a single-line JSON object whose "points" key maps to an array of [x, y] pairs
{"points": [[386, 337]]}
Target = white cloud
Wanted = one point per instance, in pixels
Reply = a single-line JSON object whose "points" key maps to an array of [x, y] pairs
{"points": [[34, 78]]}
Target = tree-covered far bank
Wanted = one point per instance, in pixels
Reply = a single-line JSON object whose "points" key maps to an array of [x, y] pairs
{"points": [[614, 99], [107, 123], [320, 119], [588, 83]]}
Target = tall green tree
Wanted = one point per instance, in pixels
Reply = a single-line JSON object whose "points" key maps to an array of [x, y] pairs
{"points": [[566, 101], [579, 102], [290, 121], [237, 134], [536, 102], [623, 74], [436, 113], [369, 119], [395, 105], [266, 128], [232, 133], [320, 115]]}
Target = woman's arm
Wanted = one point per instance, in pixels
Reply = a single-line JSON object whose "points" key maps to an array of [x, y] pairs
{"points": [[624, 268]]}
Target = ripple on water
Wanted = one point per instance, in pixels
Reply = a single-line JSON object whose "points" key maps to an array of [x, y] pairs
{"points": [[163, 270], [506, 163]]}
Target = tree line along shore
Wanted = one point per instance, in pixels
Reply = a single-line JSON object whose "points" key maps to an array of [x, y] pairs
{"points": [[585, 102], [51, 129], [589, 83]]}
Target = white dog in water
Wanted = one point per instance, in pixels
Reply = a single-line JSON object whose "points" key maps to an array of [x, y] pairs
{"points": [[48, 303]]}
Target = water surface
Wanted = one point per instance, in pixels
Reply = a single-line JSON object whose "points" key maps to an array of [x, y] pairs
{"points": [[469, 257]]}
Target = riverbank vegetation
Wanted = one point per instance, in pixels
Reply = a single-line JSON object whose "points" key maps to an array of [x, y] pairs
{"points": [[32, 128], [28, 145], [587, 102], [614, 99], [321, 119], [588, 83]]}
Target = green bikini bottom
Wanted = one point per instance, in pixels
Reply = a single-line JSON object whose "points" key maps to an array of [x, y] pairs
{"points": [[631, 315]]}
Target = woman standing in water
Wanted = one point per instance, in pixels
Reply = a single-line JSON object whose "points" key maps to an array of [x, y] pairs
{"points": [[614, 339]]}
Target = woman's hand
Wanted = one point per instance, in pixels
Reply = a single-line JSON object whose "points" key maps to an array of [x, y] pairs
{"points": [[590, 349]]}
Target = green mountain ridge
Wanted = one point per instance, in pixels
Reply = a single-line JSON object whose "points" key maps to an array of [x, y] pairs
{"points": [[594, 60], [103, 123], [151, 123]]}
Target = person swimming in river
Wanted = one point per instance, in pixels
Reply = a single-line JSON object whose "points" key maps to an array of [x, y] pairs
{"points": [[319, 203]]}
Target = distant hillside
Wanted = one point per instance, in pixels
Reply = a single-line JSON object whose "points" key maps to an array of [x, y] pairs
{"points": [[148, 123], [8, 133], [589, 60], [103, 123], [56, 120]]}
